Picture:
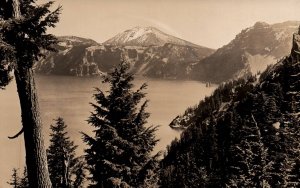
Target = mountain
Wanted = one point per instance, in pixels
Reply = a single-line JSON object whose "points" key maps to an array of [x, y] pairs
{"points": [[245, 135], [71, 58], [146, 36], [168, 61], [170, 57], [250, 52], [155, 54]]}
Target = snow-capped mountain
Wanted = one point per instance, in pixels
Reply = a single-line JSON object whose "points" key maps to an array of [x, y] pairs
{"points": [[153, 53], [85, 57], [251, 51], [146, 36]]}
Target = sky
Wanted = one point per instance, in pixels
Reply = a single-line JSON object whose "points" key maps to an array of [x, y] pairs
{"points": [[210, 23]]}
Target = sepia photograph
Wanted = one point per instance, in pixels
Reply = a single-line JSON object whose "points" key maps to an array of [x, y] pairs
{"points": [[149, 94]]}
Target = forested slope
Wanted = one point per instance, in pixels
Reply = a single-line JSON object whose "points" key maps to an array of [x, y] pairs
{"points": [[246, 135]]}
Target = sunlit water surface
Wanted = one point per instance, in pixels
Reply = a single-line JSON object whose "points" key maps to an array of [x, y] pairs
{"points": [[69, 97]]}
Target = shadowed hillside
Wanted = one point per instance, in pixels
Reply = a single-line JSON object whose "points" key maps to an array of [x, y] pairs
{"points": [[245, 135]]}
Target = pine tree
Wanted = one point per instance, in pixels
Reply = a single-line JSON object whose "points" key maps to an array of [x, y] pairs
{"points": [[120, 149], [19, 181], [63, 165], [79, 174], [23, 25], [15, 179]]}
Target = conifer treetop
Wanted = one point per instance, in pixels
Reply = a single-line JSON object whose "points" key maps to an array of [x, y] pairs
{"points": [[120, 150], [23, 39]]}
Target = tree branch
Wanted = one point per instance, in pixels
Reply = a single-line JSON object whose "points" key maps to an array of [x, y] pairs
{"points": [[18, 134]]}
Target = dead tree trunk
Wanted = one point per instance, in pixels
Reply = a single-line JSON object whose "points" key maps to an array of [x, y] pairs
{"points": [[36, 160]]}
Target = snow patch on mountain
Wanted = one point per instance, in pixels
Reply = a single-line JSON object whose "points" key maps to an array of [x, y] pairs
{"points": [[259, 63], [255, 64], [67, 47], [94, 48], [71, 38], [279, 35], [137, 32], [63, 43], [146, 36]]}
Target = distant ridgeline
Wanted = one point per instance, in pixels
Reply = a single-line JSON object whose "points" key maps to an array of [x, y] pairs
{"points": [[153, 53], [246, 134], [149, 51]]}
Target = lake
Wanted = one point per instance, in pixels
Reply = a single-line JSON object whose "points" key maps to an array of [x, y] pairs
{"points": [[69, 97]]}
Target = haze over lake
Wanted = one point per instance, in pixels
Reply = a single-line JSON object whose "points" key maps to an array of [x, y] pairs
{"points": [[69, 97]]}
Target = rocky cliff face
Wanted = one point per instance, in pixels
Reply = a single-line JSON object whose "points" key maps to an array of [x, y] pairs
{"points": [[71, 58], [169, 61], [296, 44], [249, 53], [189, 116]]}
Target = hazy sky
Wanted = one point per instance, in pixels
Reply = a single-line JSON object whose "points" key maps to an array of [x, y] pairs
{"points": [[210, 23]]}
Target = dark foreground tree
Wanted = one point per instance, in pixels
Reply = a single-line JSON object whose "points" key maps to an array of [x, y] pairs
{"points": [[119, 152], [23, 25], [63, 165]]}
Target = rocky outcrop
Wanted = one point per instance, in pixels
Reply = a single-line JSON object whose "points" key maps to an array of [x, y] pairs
{"points": [[296, 44], [250, 52]]}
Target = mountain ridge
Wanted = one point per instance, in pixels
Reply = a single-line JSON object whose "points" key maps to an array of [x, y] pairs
{"points": [[248, 53], [252, 50], [84, 57]]}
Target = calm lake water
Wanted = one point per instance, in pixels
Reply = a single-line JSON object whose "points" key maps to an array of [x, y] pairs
{"points": [[69, 97]]}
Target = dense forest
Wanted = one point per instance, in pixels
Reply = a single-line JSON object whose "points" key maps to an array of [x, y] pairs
{"points": [[245, 135]]}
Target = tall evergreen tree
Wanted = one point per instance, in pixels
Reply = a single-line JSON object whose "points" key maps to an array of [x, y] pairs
{"points": [[120, 150], [23, 25], [61, 157]]}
